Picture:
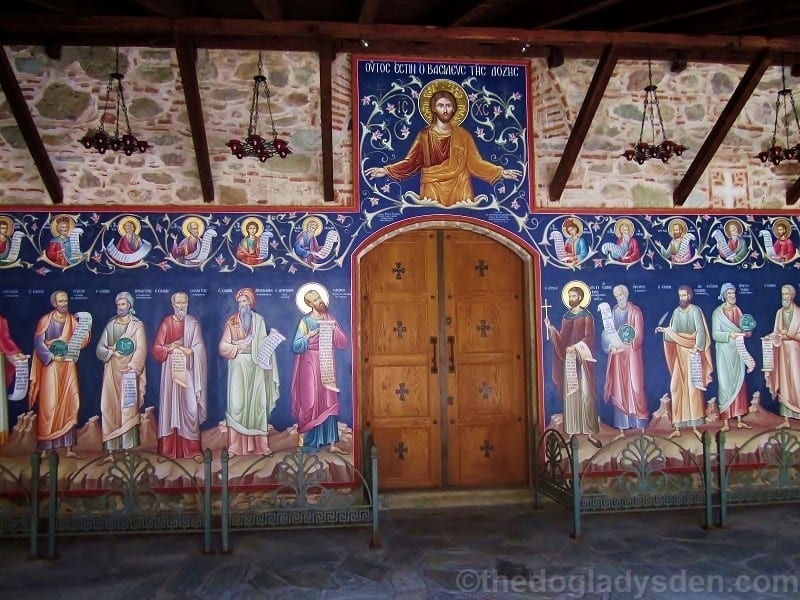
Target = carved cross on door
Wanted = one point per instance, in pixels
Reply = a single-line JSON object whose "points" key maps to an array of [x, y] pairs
{"points": [[486, 389], [401, 450], [481, 267], [399, 329], [402, 391], [399, 270], [487, 448], [483, 327]]}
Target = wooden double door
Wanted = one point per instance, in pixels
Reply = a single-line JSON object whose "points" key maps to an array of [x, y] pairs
{"points": [[442, 360]]}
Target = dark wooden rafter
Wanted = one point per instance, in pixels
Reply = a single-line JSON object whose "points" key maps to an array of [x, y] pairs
{"points": [[597, 88], [22, 114], [691, 10], [548, 22], [369, 8], [484, 11], [793, 193], [270, 10], [187, 57], [68, 7], [326, 56], [723, 124], [174, 9]]}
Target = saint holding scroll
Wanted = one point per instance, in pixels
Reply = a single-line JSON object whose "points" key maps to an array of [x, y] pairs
{"points": [[315, 395], [573, 363], [180, 349], [622, 339], [687, 349]]}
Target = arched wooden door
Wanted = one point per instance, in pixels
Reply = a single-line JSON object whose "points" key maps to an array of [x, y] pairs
{"points": [[442, 360]]}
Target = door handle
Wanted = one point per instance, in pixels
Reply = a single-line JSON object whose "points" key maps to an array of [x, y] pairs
{"points": [[434, 362], [451, 367]]}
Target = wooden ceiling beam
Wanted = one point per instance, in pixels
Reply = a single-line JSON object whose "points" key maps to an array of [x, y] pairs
{"points": [[22, 114], [722, 125], [597, 88], [326, 57], [793, 193], [174, 9], [589, 8], [152, 31], [484, 11], [187, 57], [270, 10], [369, 8]]}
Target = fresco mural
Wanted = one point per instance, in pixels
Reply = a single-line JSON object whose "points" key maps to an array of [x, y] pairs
{"points": [[171, 332]]}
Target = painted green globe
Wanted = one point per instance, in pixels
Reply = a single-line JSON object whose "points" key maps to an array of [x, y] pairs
{"points": [[59, 348], [747, 322], [627, 334], [124, 346]]}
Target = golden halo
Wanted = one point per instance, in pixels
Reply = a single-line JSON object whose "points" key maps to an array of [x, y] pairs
{"points": [[299, 298], [259, 225], [430, 88], [786, 223], [618, 225], [188, 221], [54, 221], [587, 295], [681, 223], [574, 221], [309, 220], [9, 224], [736, 223], [137, 226]]}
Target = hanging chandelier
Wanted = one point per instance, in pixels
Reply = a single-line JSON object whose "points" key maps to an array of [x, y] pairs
{"points": [[643, 150], [102, 141], [775, 153], [254, 144]]}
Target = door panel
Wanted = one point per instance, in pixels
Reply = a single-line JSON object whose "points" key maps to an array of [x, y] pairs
{"points": [[399, 297], [443, 371]]}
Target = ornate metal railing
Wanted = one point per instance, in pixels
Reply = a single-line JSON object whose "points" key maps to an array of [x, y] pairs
{"points": [[126, 492], [19, 503], [646, 473], [764, 469], [302, 495]]}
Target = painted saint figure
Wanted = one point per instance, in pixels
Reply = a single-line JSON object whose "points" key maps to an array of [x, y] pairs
{"points": [[626, 248], [54, 378], [726, 326], [574, 243], [574, 361], [783, 381], [444, 152], [624, 385], [180, 349], [686, 337], [60, 249], [253, 389], [9, 355], [248, 249], [315, 396], [6, 230], [783, 246], [306, 246], [189, 248], [680, 249], [122, 348], [736, 243], [130, 240]]}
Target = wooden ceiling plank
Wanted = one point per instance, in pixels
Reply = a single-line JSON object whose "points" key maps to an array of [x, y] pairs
{"points": [[174, 9], [270, 10], [187, 55], [326, 57], [672, 16], [600, 79], [723, 124], [564, 17], [22, 114], [793, 193], [369, 8], [487, 10]]}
